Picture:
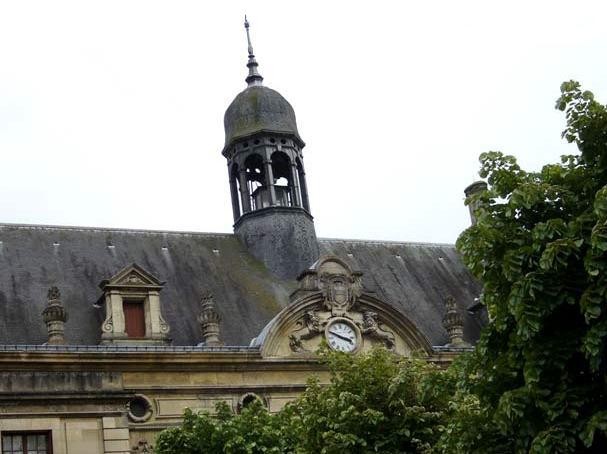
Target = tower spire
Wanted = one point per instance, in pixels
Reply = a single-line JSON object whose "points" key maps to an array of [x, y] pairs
{"points": [[254, 78]]}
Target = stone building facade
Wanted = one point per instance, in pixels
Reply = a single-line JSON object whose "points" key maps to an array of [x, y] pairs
{"points": [[107, 335]]}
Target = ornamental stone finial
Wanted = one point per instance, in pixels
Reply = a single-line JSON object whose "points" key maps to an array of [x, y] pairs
{"points": [[254, 78], [209, 321], [453, 321], [55, 316]]}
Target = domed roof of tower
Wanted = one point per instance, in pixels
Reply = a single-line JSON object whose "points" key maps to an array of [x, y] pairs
{"points": [[258, 108]]}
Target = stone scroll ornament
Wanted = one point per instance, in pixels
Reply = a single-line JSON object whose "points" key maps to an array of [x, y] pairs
{"points": [[340, 292]]}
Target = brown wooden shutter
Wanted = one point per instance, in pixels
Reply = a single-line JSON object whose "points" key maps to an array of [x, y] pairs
{"points": [[134, 318]]}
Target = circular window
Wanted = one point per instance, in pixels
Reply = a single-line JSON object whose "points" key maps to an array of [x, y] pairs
{"points": [[247, 399], [139, 408]]}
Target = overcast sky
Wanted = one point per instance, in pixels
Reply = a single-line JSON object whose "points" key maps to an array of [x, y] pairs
{"points": [[111, 112]]}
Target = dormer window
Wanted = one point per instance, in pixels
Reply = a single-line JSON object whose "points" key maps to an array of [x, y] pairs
{"points": [[132, 309]]}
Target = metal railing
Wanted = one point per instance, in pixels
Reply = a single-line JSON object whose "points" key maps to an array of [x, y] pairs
{"points": [[127, 348]]}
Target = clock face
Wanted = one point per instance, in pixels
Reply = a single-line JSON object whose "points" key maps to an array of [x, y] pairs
{"points": [[342, 337]]}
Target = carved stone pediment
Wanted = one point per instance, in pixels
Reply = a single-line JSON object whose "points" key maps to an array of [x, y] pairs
{"points": [[132, 276], [331, 306]]}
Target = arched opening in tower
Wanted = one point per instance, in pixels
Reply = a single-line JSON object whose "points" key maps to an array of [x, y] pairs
{"points": [[283, 179], [301, 175], [257, 186], [235, 192]]}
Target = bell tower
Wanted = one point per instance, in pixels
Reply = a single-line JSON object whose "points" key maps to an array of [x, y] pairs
{"points": [[267, 179]]}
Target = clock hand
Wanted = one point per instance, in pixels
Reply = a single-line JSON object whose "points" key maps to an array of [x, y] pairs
{"points": [[341, 337]]}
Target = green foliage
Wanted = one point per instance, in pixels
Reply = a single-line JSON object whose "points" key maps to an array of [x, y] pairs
{"points": [[252, 431], [536, 381], [376, 402]]}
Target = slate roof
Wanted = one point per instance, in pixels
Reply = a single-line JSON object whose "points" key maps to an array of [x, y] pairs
{"points": [[257, 109], [413, 277]]}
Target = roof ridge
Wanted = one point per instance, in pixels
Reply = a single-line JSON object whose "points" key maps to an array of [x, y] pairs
{"points": [[387, 242], [208, 234], [111, 229]]}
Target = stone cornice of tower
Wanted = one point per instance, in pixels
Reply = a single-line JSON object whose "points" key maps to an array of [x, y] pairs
{"points": [[228, 151]]}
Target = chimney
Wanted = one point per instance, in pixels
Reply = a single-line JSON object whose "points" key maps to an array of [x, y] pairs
{"points": [[209, 321], [55, 316], [474, 188]]}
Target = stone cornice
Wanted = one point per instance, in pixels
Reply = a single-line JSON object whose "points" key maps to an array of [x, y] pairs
{"points": [[115, 361]]}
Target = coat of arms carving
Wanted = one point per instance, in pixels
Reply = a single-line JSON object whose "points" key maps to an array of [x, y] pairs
{"points": [[340, 292]]}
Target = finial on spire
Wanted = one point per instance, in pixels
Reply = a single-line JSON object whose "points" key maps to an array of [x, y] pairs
{"points": [[254, 78]]}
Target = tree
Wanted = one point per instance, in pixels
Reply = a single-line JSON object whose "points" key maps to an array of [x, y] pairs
{"points": [[375, 402], [537, 378], [252, 431]]}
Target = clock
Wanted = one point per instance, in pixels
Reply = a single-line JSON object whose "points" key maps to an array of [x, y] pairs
{"points": [[342, 335]]}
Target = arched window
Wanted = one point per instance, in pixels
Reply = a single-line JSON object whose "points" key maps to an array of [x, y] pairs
{"points": [[247, 399]]}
